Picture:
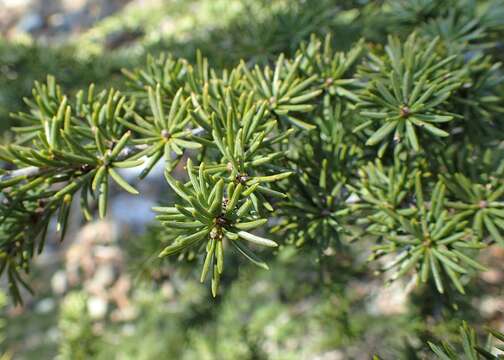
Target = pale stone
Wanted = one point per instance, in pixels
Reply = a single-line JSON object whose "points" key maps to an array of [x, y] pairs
{"points": [[59, 283], [73, 5], [330, 355], [45, 306], [97, 307], [104, 276]]}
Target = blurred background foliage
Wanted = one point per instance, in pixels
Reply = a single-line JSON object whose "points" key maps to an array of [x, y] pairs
{"points": [[106, 295]]}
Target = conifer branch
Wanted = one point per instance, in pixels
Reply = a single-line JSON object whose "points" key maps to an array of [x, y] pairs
{"points": [[303, 150]]}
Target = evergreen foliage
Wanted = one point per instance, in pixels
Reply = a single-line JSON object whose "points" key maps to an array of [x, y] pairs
{"points": [[470, 345], [397, 141]]}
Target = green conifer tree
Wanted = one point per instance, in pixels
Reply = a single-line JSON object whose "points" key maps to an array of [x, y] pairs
{"points": [[397, 140]]}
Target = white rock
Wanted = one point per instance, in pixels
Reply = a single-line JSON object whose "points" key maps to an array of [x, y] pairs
{"points": [[330, 355], [491, 306], [14, 3], [59, 283], [104, 276], [45, 306], [97, 307], [73, 5]]}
